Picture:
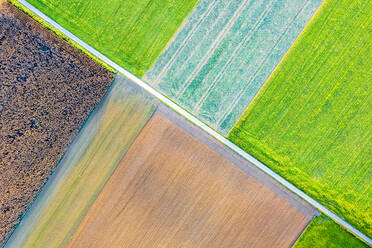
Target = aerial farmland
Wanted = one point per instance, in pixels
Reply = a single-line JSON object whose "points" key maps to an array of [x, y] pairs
{"points": [[86, 166], [248, 40], [318, 134], [194, 123], [198, 203], [47, 91], [132, 33]]}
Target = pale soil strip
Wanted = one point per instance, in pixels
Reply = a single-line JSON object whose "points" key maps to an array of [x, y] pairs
{"points": [[85, 167], [232, 57], [213, 47], [201, 125], [250, 81], [2, 4], [183, 44]]}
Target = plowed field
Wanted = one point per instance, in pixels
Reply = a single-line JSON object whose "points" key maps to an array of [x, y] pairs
{"points": [[171, 190], [47, 90]]}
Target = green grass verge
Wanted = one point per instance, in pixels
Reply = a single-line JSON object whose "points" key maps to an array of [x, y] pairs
{"points": [[60, 34], [131, 33], [311, 120], [324, 232]]}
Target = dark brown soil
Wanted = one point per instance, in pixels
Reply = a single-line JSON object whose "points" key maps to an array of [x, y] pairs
{"points": [[47, 90]]}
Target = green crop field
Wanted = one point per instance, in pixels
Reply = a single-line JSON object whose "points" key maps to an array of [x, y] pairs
{"points": [[324, 232], [131, 33], [311, 122]]}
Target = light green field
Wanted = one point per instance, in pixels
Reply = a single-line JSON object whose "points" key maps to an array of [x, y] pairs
{"points": [[323, 232], [85, 168], [224, 53], [311, 122], [131, 33]]}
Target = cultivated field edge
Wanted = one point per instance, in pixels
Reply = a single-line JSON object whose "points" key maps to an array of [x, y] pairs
{"points": [[266, 156], [64, 37]]}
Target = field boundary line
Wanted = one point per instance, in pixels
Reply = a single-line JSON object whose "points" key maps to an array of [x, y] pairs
{"points": [[203, 126]]}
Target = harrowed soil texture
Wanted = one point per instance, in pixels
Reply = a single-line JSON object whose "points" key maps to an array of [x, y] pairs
{"points": [[47, 90]]}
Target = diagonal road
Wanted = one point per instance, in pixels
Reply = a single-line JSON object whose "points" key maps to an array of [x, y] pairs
{"points": [[200, 124]]}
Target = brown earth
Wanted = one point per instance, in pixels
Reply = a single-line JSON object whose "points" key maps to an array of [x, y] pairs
{"points": [[171, 190], [47, 90]]}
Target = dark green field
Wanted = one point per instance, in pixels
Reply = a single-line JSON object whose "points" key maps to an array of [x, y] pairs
{"points": [[311, 122]]}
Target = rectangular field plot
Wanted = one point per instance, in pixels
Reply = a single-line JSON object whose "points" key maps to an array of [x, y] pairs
{"points": [[224, 53], [311, 122], [85, 168], [171, 190], [131, 33]]}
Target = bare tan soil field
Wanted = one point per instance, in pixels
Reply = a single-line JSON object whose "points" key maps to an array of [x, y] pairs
{"points": [[171, 190], [47, 90]]}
